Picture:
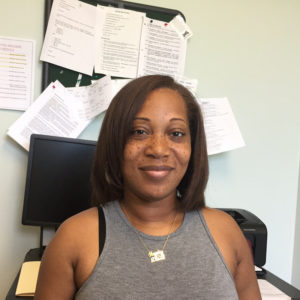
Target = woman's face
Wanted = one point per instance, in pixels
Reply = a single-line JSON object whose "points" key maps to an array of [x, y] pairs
{"points": [[158, 151]]}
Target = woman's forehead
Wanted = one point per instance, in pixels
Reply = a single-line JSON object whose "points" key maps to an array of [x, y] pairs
{"points": [[163, 102]]}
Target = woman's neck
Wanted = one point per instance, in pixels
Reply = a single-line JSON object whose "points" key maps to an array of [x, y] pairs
{"points": [[153, 218]]}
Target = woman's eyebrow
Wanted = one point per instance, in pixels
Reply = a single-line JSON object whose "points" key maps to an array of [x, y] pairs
{"points": [[148, 120], [178, 119], [141, 118]]}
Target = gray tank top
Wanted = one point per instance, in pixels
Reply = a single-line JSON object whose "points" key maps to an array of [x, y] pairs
{"points": [[193, 269]]}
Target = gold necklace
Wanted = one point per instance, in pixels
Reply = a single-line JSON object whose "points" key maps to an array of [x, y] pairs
{"points": [[157, 255]]}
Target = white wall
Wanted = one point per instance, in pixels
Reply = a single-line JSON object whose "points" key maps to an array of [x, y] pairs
{"points": [[19, 19], [245, 50], [296, 258]]}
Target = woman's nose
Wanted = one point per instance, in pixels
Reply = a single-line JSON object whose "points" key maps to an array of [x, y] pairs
{"points": [[158, 146]]}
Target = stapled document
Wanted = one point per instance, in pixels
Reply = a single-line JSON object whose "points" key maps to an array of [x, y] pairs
{"points": [[55, 112]]}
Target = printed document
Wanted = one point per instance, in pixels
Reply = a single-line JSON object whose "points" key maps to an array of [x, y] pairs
{"points": [[190, 84], [118, 41], [55, 112], [221, 128], [70, 36], [95, 97], [16, 72], [117, 85], [162, 49]]}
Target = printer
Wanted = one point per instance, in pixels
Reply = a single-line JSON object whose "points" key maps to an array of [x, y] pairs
{"points": [[254, 230]]}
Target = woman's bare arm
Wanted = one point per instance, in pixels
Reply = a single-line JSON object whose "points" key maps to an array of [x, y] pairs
{"points": [[56, 275], [69, 258], [236, 252], [245, 276]]}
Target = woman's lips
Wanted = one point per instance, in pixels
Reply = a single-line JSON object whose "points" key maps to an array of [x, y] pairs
{"points": [[156, 172]]}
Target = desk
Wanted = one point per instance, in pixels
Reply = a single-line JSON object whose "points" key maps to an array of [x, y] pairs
{"points": [[35, 254]]}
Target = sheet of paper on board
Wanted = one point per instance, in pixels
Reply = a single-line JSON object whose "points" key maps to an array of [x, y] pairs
{"points": [[95, 98], [179, 24], [17, 61], [118, 41], [55, 112], [162, 49], [190, 84], [221, 128], [118, 84], [70, 36]]}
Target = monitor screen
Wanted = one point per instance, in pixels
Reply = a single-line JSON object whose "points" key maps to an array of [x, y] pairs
{"points": [[58, 179]]}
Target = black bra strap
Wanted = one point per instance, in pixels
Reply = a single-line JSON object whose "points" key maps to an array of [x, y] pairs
{"points": [[102, 229]]}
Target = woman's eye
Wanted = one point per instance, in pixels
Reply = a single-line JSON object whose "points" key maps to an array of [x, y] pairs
{"points": [[177, 134], [138, 131]]}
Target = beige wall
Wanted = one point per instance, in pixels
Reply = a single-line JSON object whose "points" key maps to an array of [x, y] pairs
{"points": [[245, 50]]}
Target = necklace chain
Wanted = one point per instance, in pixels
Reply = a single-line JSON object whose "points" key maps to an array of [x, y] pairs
{"points": [[159, 254]]}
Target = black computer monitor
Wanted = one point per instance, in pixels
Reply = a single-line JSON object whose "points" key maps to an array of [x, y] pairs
{"points": [[58, 179]]}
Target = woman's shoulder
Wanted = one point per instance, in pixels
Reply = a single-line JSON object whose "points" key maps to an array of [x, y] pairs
{"points": [[220, 220], [86, 217], [224, 228], [227, 235], [77, 231]]}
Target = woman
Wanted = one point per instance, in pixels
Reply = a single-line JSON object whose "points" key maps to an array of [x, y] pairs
{"points": [[152, 236]]}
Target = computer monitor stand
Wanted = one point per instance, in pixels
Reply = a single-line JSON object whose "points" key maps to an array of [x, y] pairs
{"points": [[46, 234]]}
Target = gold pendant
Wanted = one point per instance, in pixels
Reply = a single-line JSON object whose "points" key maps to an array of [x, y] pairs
{"points": [[157, 255]]}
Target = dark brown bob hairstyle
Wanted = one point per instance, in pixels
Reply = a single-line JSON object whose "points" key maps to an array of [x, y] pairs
{"points": [[106, 177]]}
